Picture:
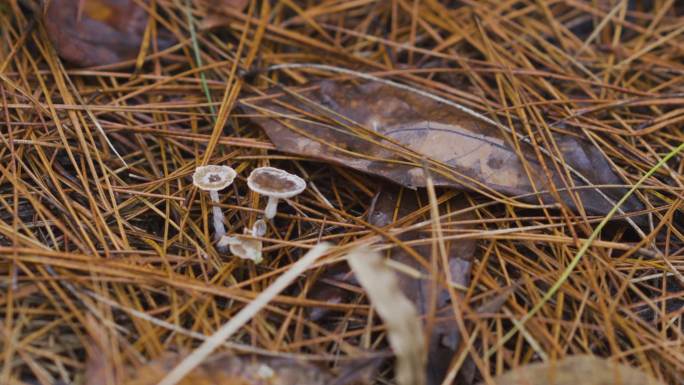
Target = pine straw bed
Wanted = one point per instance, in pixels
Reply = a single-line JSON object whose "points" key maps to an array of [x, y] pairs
{"points": [[90, 246]]}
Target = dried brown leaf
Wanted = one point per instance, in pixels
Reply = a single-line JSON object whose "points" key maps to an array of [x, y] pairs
{"points": [[323, 121], [218, 5], [583, 369], [97, 32], [99, 368], [445, 337]]}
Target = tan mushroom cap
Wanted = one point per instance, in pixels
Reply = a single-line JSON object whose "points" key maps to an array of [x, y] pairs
{"points": [[259, 228], [213, 177], [243, 247], [276, 183]]}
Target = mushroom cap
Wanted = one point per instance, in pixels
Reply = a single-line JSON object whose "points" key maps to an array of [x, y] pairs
{"points": [[213, 177], [276, 183], [243, 247], [259, 228]]}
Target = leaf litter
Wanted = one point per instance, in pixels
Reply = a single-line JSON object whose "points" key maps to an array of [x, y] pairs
{"points": [[589, 105], [444, 339], [580, 369], [99, 32]]}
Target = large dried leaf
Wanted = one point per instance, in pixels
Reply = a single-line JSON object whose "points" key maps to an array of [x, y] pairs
{"points": [[585, 370], [379, 129], [97, 32]]}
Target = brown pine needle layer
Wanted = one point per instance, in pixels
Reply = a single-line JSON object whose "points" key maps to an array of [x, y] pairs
{"points": [[121, 239]]}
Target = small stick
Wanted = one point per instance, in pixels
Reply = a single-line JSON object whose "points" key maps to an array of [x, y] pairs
{"points": [[220, 336]]}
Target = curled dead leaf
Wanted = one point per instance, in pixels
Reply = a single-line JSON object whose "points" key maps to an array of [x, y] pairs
{"points": [[97, 32], [582, 369], [379, 129], [445, 337], [219, 5], [100, 366], [405, 332], [218, 12]]}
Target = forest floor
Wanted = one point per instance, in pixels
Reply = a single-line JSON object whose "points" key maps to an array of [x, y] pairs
{"points": [[508, 177]]}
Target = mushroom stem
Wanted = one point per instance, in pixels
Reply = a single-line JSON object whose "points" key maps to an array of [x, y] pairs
{"points": [[219, 229], [271, 207]]}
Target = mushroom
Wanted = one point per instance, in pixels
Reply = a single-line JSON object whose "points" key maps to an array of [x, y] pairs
{"points": [[259, 228], [213, 178], [275, 184], [242, 247]]}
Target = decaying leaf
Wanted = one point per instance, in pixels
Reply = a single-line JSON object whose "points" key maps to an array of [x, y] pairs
{"points": [[219, 5], [100, 367], [218, 12], [445, 337], [329, 289], [376, 128], [574, 370], [404, 330], [97, 32], [228, 369]]}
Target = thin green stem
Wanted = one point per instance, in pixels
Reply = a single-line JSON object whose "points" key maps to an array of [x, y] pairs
{"points": [[583, 250], [198, 58]]}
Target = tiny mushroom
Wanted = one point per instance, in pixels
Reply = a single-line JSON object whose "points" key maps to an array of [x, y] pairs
{"points": [[243, 247], [259, 228], [213, 178], [275, 184]]}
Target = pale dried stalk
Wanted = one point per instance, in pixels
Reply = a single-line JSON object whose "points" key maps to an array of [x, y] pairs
{"points": [[220, 336], [404, 329]]}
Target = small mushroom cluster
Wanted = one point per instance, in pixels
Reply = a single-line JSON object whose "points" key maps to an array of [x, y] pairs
{"points": [[271, 182]]}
